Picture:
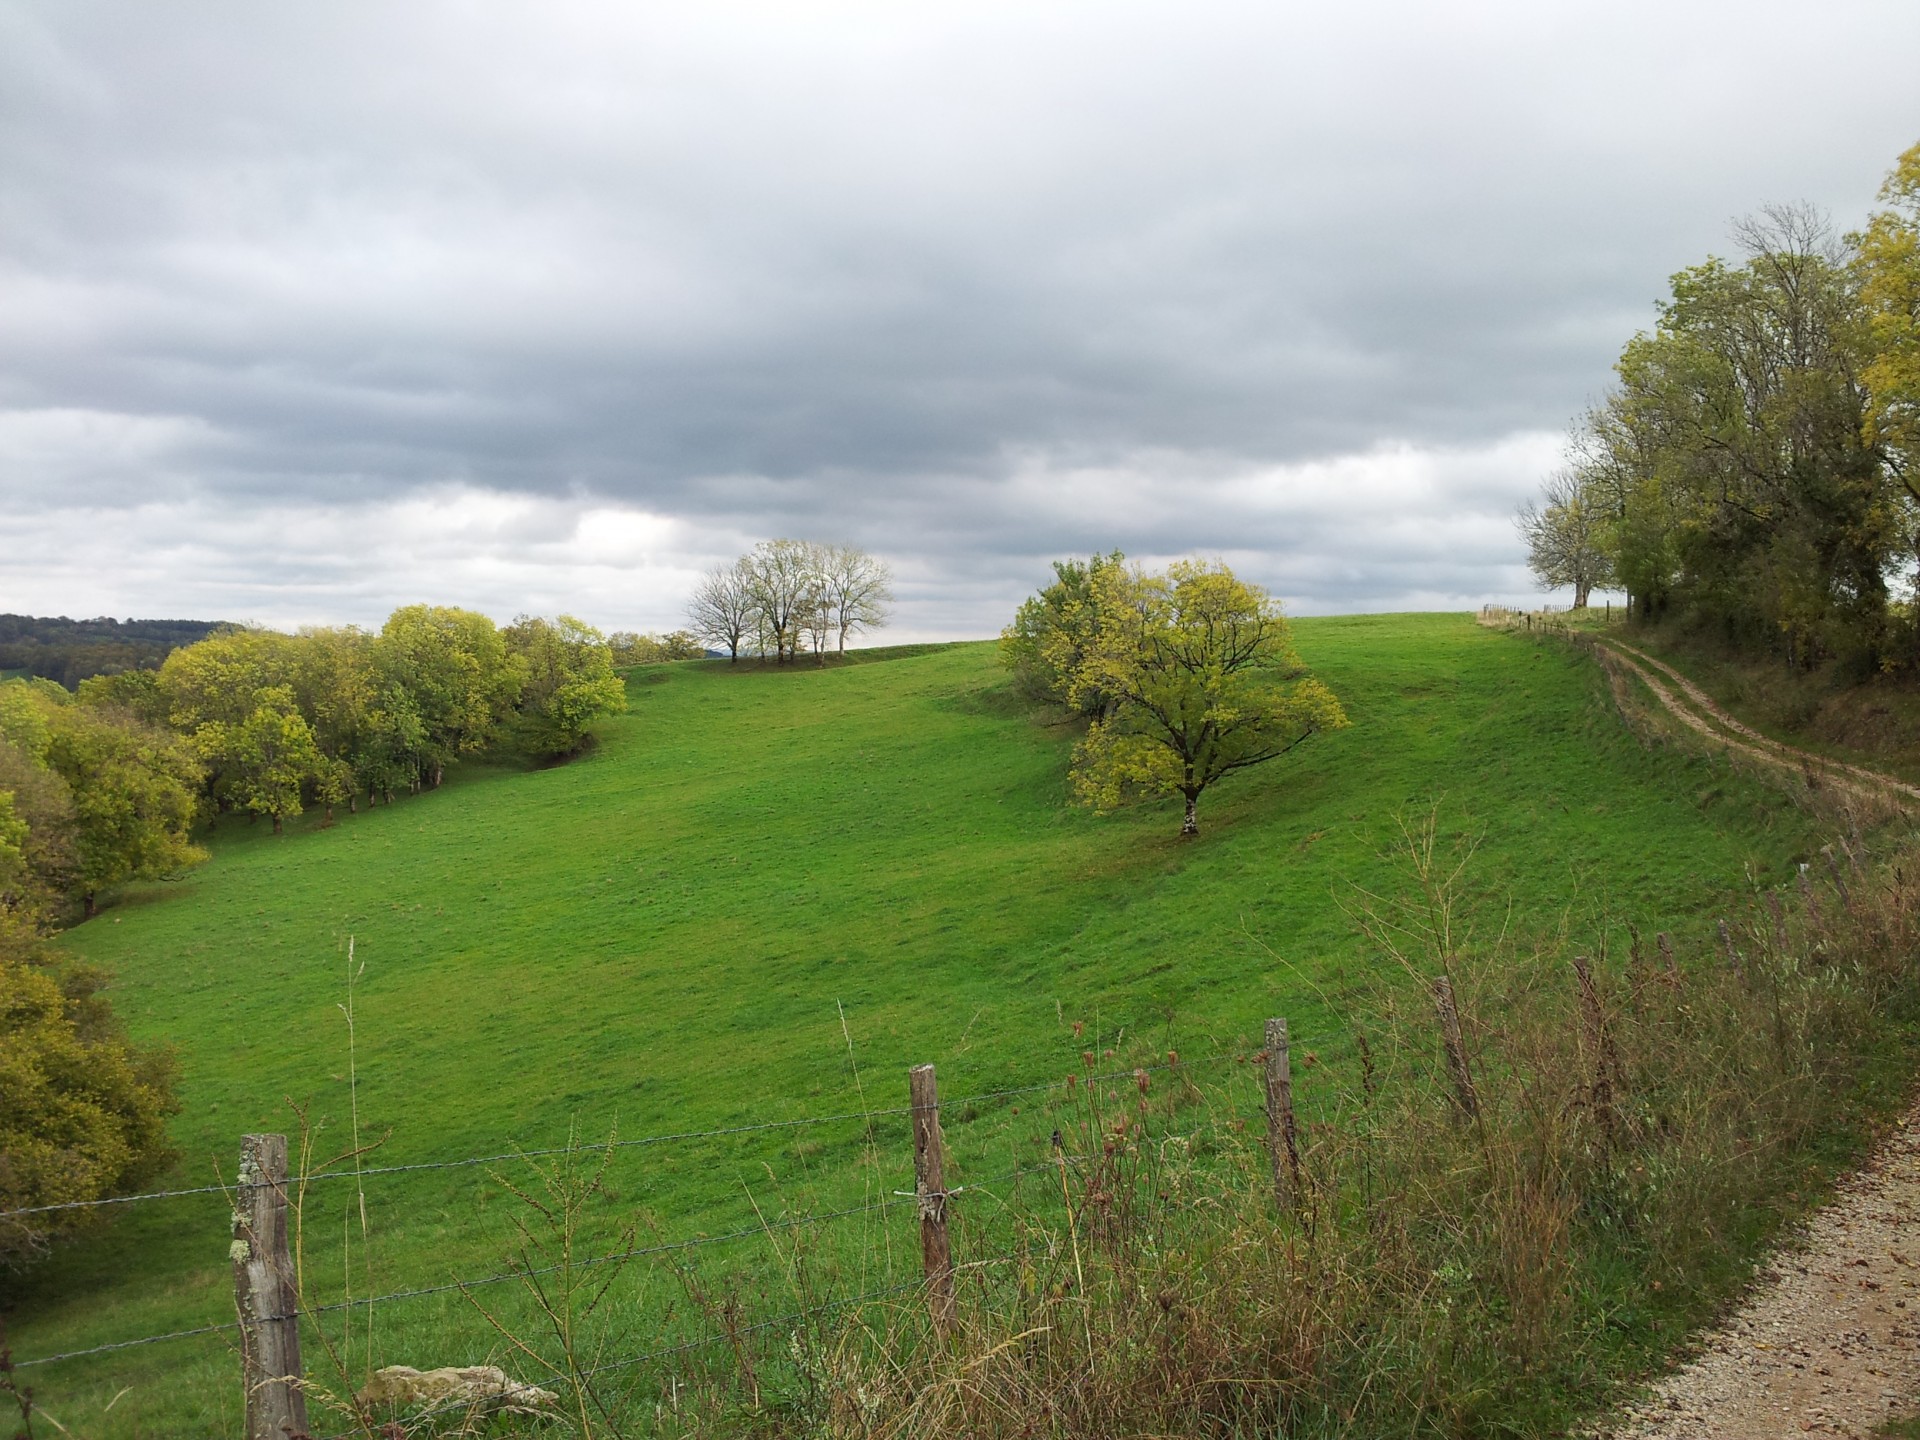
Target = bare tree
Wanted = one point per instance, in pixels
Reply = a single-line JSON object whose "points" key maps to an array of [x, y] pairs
{"points": [[780, 574], [857, 590], [724, 607], [1565, 535], [814, 619]]}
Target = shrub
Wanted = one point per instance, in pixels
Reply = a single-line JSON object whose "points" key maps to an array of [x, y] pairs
{"points": [[82, 1111]]}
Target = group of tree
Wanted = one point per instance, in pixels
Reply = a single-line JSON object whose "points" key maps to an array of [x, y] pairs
{"points": [[105, 785], [786, 596], [1180, 678], [1756, 465], [89, 797], [631, 648], [69, 651], [83, 1112], [333, 713]]}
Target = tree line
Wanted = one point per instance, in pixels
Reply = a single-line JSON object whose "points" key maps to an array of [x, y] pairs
{"points": [[104, 786], [1755, 467], [786, 596], [69, 651]]}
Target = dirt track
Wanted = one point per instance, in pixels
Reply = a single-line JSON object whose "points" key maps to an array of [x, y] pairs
{"points": [[1828, 1342]]}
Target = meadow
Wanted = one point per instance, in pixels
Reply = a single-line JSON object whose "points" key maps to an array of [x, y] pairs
{"points": [[762, 895]]}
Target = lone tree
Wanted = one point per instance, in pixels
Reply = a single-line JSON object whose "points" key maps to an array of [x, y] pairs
{"points": [[1566, 536], [723, 609], [1201, 679]]}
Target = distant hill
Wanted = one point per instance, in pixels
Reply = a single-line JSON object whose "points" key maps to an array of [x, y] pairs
{"points": [[69, 651]]}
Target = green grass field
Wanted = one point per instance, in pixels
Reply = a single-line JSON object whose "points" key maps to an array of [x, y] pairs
{"points": [[663, 935]]}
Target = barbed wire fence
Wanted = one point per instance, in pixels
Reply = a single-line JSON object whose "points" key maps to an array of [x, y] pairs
{"points": [[270, 1313]]}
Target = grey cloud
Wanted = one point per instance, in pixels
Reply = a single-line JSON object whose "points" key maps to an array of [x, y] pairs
{"points": [[892, 273]]}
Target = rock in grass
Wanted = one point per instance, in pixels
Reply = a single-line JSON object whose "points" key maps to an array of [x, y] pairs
{"points": [[487, 1385]]}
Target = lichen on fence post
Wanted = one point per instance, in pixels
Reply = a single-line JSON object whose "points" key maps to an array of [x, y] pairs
{"points": [[264, 1293]]}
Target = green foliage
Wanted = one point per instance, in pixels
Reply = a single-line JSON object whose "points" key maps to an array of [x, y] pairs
{"points": [[82, 1112], [461, 682], [629, 648], [131, 692], [134, 792], [14, 872], [68, 652], [568, 681], [1196, 675], [1054, 629], [271, 755], [1890, 290], [1752, 470], [100, 799]]}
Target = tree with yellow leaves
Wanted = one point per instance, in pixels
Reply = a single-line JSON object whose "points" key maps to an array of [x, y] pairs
{"points": [[1890, 288], [1202, 679]]}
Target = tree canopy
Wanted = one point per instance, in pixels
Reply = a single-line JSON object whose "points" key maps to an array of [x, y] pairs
{"points": [[1188, 676], [1752, 468], [784, 595]]}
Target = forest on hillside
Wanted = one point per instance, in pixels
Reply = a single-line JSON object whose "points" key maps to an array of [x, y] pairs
{"points": [[68, 651]]}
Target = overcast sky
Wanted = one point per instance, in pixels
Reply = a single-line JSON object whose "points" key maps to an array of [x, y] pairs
{"points": [[312, 309]]}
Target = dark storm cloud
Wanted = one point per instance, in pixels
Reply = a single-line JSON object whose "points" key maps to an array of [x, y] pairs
{"points": [[973, 285]]}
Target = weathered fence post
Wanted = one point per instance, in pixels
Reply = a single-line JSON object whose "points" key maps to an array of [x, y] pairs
{"points": [[264, 1293], [930, 1185], [1809, 899], [1283, 1136], [1726, 943], [1457, 1068], [1839, 880]]}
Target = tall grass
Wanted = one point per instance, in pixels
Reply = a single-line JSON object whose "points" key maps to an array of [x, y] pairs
{"points": [[1638, 1135]]}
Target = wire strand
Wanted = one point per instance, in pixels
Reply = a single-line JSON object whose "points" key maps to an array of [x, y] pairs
{"points": [[678, 1137]]}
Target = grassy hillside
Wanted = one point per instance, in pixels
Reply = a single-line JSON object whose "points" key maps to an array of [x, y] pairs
{"points": [[663, 936]]}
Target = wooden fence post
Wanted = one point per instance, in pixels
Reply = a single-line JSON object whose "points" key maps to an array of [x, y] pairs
{"points": [[930, 1185], [1457, 1067], [1283, 1136], [1839, 880], [264, 1293], [1809, 899], [1726, 943]]}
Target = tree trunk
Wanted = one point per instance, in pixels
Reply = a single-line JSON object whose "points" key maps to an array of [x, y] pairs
{"points": [[1191, 825], [276, 823], [439, 774], [93, 907], [329, 814], [353, 802], [1580, 592]]}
